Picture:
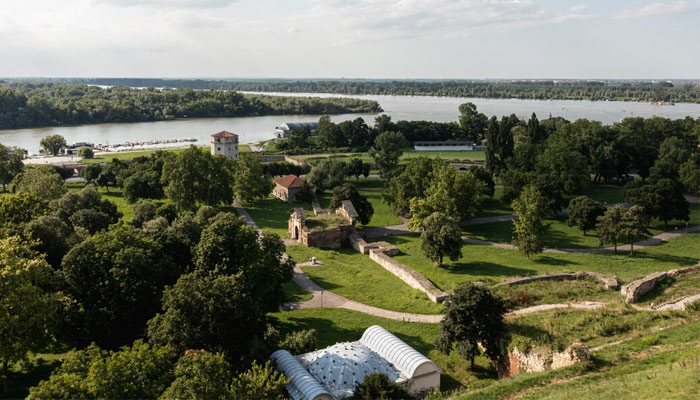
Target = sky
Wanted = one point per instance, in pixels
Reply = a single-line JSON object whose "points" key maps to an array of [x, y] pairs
{"points": [[402, 39]]}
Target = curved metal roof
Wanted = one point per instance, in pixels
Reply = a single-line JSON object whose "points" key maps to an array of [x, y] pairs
{"points": [[303, 386], [394, 350], [298, 125]]}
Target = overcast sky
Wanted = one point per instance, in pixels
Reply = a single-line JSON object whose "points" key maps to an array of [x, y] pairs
{"points": [[351, 38]]}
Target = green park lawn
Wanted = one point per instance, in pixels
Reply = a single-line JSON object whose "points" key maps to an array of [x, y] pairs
{"points": [[474, 156], [353, 275], [272, 214], [550, 292], [491, 264], [560, 235]]}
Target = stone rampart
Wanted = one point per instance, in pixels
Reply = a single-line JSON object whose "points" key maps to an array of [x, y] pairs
{"points": [[516, 362], [270, 158], [610, 282], [636, 289], [410, 276]]}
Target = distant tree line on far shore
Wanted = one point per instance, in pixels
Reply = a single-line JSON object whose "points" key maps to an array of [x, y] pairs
{"points": [[540, 90], [25, 104]]}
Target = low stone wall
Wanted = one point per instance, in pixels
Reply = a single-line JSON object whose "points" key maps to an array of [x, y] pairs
{"points": [[329, 238], [410, 276], [610, 282], [270, 158], [636, 289], [517, 362]]}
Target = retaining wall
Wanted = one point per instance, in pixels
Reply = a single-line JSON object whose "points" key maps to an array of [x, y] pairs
{"points": [[517, 362], [412, 277], [636, 289]]}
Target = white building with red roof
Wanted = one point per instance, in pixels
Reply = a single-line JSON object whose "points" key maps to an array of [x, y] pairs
{"points": [[224, 143]]}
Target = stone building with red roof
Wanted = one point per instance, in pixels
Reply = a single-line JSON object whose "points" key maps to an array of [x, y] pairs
{"points": [[287, 187]]}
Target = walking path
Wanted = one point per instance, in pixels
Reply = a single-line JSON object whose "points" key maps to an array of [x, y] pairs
{"points": [[244, 213]]}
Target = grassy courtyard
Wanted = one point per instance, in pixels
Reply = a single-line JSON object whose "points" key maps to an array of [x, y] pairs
{"points": [[272, 214], [353, 275]]}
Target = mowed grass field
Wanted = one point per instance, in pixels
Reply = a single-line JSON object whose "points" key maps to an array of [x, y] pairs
{"points": [[130, 155], [491, 264]]}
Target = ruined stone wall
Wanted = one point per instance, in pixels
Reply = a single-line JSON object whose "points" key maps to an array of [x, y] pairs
{"points": [[270, 158], [330, 238], [517, 362], [412, 277], [636, 289]]}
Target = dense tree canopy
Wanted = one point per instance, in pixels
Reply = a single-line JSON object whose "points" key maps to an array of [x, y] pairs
{"points": [[348, 191], [42, 181]]}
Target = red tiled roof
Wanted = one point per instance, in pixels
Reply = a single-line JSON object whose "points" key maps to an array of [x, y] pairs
{"points": [[290, 181], [224, 134]]}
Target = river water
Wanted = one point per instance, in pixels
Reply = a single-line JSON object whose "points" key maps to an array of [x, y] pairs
{"points": [[253, 129]]}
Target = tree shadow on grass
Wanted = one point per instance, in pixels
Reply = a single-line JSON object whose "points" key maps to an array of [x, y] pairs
{"points": [[21, 381], [547, 260], [323, 283]]}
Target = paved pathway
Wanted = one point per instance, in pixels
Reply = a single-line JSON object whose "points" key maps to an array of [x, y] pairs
{"points": [[244, 213]]}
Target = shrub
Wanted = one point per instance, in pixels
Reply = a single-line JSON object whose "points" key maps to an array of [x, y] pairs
{"points": [[378, 386], [300, 342], [86, 152]]}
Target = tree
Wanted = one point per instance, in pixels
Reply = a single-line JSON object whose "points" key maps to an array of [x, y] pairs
{"points": [[441, 237], [529, 208], [229, 247], [138, 371], [584, 212], [562, 161], [472, 122], [634, 225], [387, 151], [143, 184], [43, 181], [377, 386], [10, 165], [327, 174], [357, 168], [689, 174], [484, 176], [194, 176], [91, 173], [473, 315], [144, 211], [348, 191], [127, 273], [610, 226], [102, 211], [200, 374], [299, 342], [673, 203], [91, 220], [86, 152], [215, 313], [53, 144], [27, 310], [259, 382], [251, 182], [18, 209], [52, 237], [412, 182]]}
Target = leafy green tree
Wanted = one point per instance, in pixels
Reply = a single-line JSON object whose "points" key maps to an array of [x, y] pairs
{"points": [[251, 182], [167, 211], [412, 182], [53, 144], [86, 152], [327, 174], [473, 316], [42, 181], [138, 371], [102, 211], [91, 220], [200, 375], [215, 313], [193, 176], [634, 225], [330, 134], [485, 177], [259, 382], [441, 237], [562, 161], [144, 184], [348, 191], [299, 342], [529, 228], [387, 150], [357, 167], [144, 211], [52, 236], [228, 246], [127, 273], [91, 173], [610, 226], [583, 212], [18, 209], [673, 203], [472, 122], [10, 165], [690, 174], [27, 310], [377, 386]]}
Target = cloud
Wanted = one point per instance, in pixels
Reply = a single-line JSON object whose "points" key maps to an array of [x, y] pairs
{"points": [[579, 7], [168, 3], [436, 19], [653, 9]]}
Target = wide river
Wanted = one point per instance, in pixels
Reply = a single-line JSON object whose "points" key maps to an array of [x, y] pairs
{"points": [[253, 129]]}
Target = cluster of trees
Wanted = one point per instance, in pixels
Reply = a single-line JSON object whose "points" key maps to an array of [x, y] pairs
{"points": [[27, 104], [578, 90], [10, 165], [72, 273]]}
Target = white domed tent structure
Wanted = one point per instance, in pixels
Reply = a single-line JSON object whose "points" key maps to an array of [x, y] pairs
{"points": [[333, 372]]}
